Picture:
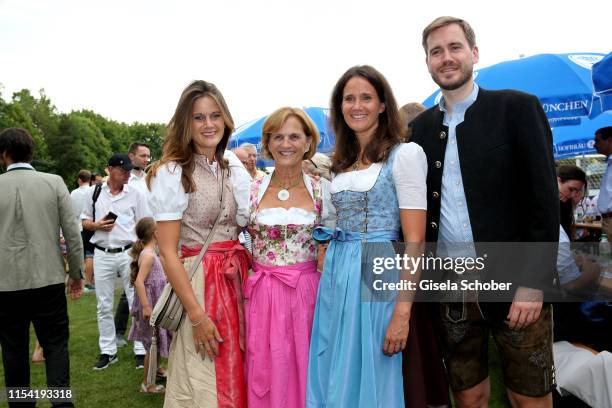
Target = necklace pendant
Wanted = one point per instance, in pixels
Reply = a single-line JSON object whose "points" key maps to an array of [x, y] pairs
{"points": [[283, 194]]}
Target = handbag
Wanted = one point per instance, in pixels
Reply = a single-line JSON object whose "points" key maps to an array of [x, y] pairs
{"points": [[169, 312]]}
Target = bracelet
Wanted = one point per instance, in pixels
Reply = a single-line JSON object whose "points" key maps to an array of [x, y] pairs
{"points": [[196, 323]]}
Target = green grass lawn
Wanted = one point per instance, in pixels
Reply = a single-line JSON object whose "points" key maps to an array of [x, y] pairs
{"points": [[118, 385], [498, 391]]}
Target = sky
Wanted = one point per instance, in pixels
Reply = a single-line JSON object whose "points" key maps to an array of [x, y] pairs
{"points": [[129, 60]]}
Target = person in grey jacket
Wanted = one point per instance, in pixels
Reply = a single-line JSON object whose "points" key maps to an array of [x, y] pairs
{"points": [[34, 206]]}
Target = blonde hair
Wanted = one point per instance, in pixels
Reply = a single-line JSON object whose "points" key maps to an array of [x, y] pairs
{"points": [[277, 119], [408, 113], [145, 229], [443, 21]]}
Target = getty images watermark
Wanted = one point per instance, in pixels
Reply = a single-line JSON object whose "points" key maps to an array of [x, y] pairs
{"points": [[411, 264], [494, 271]]}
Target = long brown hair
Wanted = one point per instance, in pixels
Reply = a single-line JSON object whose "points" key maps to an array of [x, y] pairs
{"points": [[145, 228], [178, 145], [388, 133]]}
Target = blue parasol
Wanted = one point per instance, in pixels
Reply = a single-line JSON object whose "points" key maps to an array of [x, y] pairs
{"points": [[562, 82], [571, 141], [602, 85]]}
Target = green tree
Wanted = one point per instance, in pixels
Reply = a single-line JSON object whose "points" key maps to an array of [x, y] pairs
{"points": [[117, 134], [80, 144], [66, 143], [150, 133], [37, 116]]}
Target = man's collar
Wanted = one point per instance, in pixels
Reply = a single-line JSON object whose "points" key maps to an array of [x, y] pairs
{"points": [[465, 103], [125, 188], [134, 171], [15, 166]]}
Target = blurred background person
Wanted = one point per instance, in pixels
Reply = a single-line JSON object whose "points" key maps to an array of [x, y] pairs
{"points": [[78, 197], [242, 155], [603, 145], [408, 113], [96, 178], [581, 342], [251, 162], [140, 156], [572, 184], [148, 279], [579, 274], [318, 166]]}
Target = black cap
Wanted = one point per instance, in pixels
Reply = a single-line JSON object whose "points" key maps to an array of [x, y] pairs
{"points": [[120, 160]]}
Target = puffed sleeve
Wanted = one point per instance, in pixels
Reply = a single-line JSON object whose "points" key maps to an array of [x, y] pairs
{"points": [[410, 175], [167, 198], [328, 212], [241, 183]]}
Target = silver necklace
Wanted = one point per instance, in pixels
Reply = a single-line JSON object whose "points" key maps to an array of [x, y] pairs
{"points": [[283, 193]]}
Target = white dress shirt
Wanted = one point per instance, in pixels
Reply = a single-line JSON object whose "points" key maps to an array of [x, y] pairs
{"points": [[138, 181], [130, 206], [78, 196]]}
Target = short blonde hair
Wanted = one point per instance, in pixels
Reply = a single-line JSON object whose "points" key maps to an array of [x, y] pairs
{"points": [[277, 119], [408, 113]]}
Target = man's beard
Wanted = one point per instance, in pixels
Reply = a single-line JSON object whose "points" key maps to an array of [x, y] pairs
{"points": [[465, 78]]}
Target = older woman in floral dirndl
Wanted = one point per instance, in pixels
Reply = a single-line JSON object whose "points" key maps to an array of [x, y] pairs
{"points": [[285, 207]]}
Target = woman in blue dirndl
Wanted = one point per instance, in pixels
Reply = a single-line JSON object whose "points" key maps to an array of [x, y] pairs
{"points": [[378, 186]]}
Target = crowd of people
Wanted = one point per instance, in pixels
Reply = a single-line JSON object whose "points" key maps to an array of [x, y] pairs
{"points": [[275, 313]]}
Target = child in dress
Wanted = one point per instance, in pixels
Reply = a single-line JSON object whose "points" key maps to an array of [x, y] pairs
{"points": [[148, 279]]}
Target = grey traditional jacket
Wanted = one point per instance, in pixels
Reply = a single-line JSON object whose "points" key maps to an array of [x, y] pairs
{"points": [[33, 207]]}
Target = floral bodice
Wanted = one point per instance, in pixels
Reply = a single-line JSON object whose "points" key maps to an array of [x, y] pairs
{"points": [[278, 245]]}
